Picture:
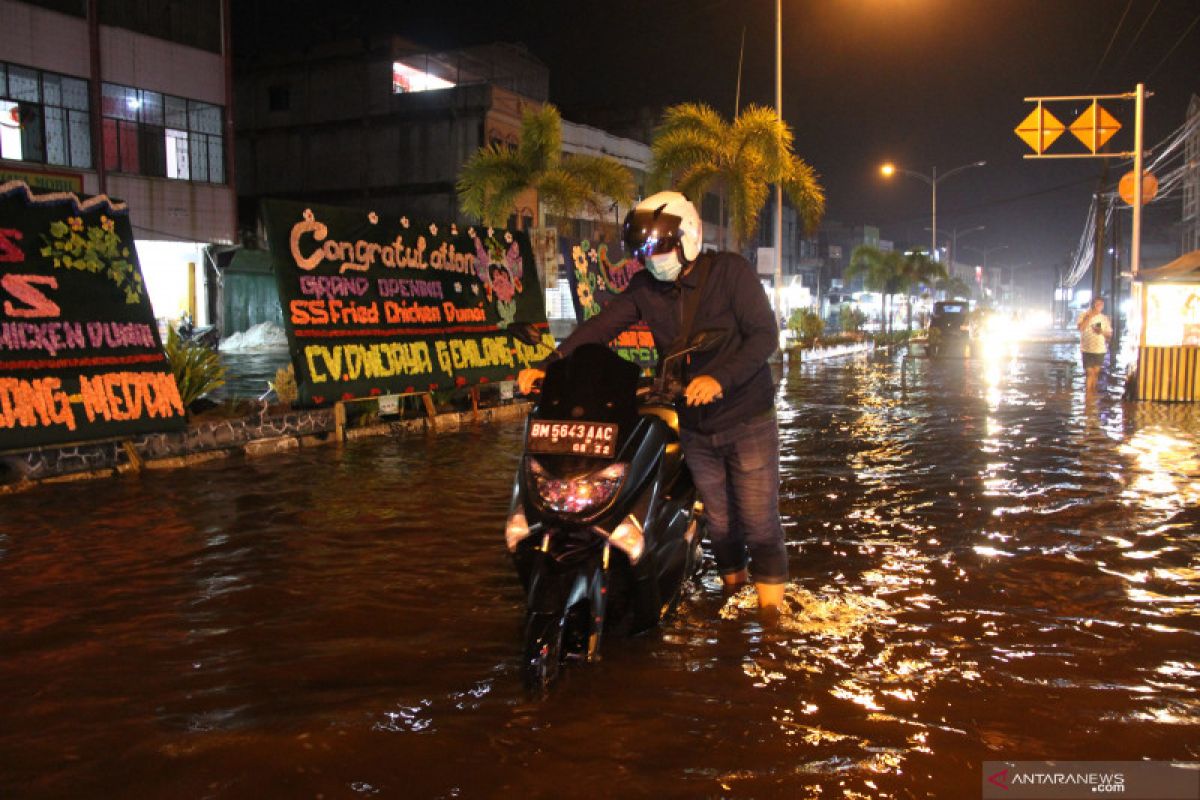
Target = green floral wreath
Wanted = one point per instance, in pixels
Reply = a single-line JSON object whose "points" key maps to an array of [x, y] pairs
{"points": [[94, 248]]}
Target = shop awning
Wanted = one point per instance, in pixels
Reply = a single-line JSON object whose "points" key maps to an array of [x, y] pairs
{"points": [[251, 261], [1185, 269]]}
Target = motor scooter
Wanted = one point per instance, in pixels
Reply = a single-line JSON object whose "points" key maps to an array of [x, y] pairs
{"points": [[604, 525]]}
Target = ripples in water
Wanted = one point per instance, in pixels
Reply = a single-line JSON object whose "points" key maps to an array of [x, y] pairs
{"points": [[985, 566]]}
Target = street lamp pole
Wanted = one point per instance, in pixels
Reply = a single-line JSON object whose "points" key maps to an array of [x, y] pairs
{"points": [[931, 179], [779, 184], [985, 251], [955, 233], [933, 224], [1012, 281]]}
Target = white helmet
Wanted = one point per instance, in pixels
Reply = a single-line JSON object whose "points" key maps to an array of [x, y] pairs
{"points": [[660, 223]]}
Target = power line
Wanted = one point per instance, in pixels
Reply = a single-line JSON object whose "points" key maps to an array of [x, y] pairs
{"points": [[1138, 35], [1111, 39], [1174, 47], [1025, 196]]}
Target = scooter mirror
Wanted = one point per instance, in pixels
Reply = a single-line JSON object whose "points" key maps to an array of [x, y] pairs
{"points": [[707, 339], [525, 332]]}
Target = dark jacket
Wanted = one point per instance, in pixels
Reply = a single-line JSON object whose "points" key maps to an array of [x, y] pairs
{"points": [[731, 298]]}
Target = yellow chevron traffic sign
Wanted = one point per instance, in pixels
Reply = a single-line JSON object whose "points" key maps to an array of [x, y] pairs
{"points": [[1039, 132], [1095, 127]]}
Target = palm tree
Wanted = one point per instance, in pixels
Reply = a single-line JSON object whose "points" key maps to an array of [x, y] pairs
{"points": [[695, 148], [917, 270], [881, 273], [892, 273], [491, 180]]}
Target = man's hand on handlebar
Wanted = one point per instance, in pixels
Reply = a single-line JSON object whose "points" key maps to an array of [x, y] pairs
{"points": [[702, 390], [528, 379]]}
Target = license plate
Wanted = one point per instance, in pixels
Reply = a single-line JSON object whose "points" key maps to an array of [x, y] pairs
{"points": [[597, 439]]}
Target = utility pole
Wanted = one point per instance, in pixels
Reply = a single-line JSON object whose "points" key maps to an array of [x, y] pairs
{"points": [[1093, 128], [1116, 281], [1098, 247]]}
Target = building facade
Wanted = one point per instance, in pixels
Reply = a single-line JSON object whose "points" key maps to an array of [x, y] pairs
{"points": [[378, 122], [382, 124], [128, 99], [1191, 180]]}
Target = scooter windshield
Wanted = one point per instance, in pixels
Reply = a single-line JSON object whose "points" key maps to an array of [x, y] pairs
{"points": [[592, 385]]}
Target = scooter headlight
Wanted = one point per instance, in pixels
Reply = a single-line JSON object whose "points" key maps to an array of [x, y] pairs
{"points": [[579, 494]]}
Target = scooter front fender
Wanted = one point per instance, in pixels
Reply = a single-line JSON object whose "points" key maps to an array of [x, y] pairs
{"points": [[575, 596]]}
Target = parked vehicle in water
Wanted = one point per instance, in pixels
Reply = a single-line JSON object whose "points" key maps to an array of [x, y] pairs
{"points": [[604, 526], [206, 335], [949, 331]]}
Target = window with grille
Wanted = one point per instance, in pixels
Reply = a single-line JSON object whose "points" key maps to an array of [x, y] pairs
{"points": [[44, 117], [149, 133]]}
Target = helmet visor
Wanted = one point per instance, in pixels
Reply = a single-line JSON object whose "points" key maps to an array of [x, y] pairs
{"points": [[648, 232]]}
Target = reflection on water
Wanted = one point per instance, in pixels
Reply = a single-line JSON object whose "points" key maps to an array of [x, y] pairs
{"points": [[985, 566], [247, 373]]}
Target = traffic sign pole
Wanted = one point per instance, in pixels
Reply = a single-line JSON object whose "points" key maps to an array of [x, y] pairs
{"points": [[1135, 250], [1093, 128], [1135, 258]]}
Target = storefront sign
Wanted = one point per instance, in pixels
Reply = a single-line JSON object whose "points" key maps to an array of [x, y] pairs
{"points": [[44, 181], [376, 305], [1173, 314], [80, 355]]}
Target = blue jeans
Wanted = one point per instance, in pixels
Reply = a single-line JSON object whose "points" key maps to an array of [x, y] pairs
{"points": [[737, 474]]}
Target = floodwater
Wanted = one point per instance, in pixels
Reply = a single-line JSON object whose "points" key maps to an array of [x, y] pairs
{"points": [[248, 374], [986, 566]]}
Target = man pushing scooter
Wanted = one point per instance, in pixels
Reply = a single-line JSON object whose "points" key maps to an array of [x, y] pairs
{"points": [[728, 429]]}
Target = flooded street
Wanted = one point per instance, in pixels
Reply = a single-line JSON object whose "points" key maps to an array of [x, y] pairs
{"points": [[985, 566]]}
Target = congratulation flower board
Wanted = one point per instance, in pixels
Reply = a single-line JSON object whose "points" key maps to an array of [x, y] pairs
{"points": [[596, 278], [80, 354], [379, 305]]}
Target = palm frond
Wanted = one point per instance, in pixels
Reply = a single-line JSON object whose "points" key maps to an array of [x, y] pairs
{"points": [[696, 180], [541, 139], [561, 192], [749, 190], [746, 199], [696, 148], [605, 176], [759, 130], [489, 183], [502, 203], [869, 262], [493, 179], [679, 150], [803, 187], [197, 369], [699, 118], [919, 270]]}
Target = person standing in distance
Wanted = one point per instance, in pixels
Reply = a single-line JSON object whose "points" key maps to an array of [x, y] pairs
{"points": [[728, 429], [1095, 331]]}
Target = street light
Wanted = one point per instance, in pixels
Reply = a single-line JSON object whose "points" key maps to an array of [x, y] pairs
{"points": [[778, 183], [890, 169]]}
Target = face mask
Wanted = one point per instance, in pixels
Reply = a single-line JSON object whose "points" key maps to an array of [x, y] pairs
{"points": [[664, 266]]}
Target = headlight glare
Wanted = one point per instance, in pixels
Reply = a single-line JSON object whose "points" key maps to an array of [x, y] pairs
{"points": [[628, 537], [516, 530]]}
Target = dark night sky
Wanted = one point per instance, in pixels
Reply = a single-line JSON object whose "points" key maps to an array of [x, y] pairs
{"points": [[921, 82]]}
